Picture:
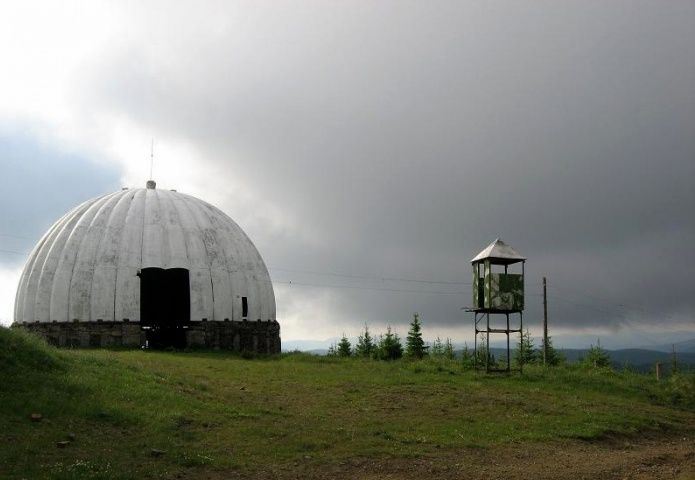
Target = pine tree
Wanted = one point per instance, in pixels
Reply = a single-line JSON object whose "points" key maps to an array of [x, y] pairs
{"points": [[552, 357], [376, 353], [466, 356], [344, 347], [437, 349], [483, 356], [389, 347], [449, 349], [415, 346], [332, 352], [365, 344], [597, 357], [524, 353]]}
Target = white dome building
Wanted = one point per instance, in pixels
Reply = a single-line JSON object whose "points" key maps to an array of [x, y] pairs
{"points": [[148, 267]]}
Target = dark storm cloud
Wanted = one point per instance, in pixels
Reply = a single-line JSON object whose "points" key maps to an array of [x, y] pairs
{"points": [[410, 135]]}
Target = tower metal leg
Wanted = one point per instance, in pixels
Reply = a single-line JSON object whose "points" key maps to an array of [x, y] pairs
{"points": [[509, 358], [475, 342], [521, 337], [487, 348]]}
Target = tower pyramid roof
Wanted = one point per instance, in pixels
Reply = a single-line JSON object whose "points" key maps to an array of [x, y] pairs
{"points": [[498, 250]]}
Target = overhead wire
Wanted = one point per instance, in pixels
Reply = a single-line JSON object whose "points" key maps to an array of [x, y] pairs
{"points": [[368, 277], [621, 315], [629, 307], [604, 302], [358, 287]]}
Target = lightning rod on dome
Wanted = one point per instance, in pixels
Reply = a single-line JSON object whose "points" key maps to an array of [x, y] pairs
{"points": [[151, 157], [151, 184]]}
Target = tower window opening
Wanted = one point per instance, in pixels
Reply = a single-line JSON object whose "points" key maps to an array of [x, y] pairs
{"points": [[244, 307]]}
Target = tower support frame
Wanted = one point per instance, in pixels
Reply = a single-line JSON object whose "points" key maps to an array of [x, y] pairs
{"points": [[481, 319]]}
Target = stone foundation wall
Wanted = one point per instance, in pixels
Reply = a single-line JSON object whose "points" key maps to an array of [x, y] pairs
{"points": [[257, 337], [88, 334]]}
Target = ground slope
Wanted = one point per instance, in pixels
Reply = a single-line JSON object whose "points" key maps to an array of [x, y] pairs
{"points": [[134, 414]]}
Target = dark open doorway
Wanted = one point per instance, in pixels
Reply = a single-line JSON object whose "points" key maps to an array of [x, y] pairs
{"points": [[165, 306]]}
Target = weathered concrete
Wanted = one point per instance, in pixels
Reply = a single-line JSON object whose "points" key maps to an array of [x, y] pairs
{"points": [[257, 337], [86, 266]]}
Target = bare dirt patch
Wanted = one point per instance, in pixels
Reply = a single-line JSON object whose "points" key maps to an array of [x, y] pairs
{"points": [[648, 457]]}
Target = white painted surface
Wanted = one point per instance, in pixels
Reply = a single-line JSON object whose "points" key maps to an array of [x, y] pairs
{"points": [[500, 250], [86, 266]]}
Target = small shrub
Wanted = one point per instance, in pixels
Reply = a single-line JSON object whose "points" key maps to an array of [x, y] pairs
{"points": [[449, 350], [680, 389], [596, 357], [437, 348], [525, 354], [467, 360]]}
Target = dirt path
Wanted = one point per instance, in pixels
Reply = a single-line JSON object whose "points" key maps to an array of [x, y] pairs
{"points": [[649, 457]]}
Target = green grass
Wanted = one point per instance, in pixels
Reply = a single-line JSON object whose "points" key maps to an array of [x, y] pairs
{"points": [[214, 413]]}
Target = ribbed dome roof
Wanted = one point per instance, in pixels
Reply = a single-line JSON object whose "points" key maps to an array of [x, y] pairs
{"points": [[85, 267]]}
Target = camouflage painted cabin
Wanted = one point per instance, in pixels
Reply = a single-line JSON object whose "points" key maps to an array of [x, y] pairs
{"points": [[495, 288]]}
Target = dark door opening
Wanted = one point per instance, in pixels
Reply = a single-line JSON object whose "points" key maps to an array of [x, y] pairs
{"points": [[165, 306]]}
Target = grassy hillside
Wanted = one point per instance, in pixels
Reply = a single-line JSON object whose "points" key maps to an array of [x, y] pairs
{"points": [[213, 414]]}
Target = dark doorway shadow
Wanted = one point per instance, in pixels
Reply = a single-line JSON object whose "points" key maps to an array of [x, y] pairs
{"points": [[165, 306]]}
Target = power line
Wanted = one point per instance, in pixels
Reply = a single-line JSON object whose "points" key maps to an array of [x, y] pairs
{"points": [[357, 287], [367, 277], [620, 315], [629, 307], [585, 305], [603, 301]]}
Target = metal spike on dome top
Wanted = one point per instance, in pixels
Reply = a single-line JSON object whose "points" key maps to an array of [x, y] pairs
{"points": [[151, 184]]}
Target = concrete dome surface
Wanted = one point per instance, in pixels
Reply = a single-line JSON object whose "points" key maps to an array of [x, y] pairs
{"points": [[86, 267]]}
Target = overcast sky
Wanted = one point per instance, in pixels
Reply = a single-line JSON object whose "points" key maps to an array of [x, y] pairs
{"points": [[383, 141]]}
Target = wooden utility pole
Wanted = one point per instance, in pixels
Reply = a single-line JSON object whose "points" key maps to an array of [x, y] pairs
{"points": [[545, 323]]}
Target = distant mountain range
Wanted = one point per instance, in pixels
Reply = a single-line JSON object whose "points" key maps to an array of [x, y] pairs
{"points": [[681, 347], [638, 358], [686, 346]]}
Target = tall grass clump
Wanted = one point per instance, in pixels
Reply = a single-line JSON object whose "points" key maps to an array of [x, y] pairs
{"points": [[679, 390], [22, 352]]}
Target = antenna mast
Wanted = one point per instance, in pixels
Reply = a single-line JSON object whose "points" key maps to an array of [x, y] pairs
{"points": [[151, 157]]}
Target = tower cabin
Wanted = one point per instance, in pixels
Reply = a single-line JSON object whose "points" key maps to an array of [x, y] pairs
{"points": [[495, 289]]}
